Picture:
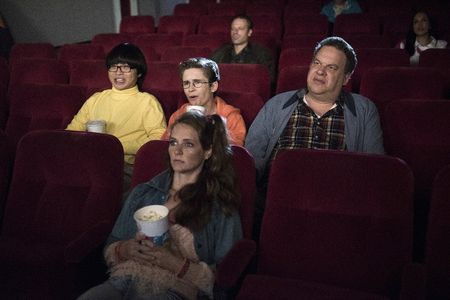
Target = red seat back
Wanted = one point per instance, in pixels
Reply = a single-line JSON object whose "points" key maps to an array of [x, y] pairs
{"points": [[39, 70], [34, 107], [353, 227], [386, 84], [438, 246], [137, 24], [91, 74]]}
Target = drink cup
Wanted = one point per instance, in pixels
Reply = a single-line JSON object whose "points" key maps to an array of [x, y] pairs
{"points": [[153, 222], [98, 126], [196, 107]]}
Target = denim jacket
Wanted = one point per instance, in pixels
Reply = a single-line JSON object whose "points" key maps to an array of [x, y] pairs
{"points": [[211, 243]]}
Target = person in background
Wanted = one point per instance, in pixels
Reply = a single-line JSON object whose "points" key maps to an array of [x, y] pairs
{"points": [[6, 40], [200, 81], [320, 116], [134, 117], [241, 50], [336, 7], [420, 37], [199, 189]]}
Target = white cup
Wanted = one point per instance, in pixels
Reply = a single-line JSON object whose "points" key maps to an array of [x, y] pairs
{"points": [[98, 126], [196, 107], [156, 229]]}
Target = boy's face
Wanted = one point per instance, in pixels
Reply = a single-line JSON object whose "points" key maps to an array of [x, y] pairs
{"points": [[124, 77]]}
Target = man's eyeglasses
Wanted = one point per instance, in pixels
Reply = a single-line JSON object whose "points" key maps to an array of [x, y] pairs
{"points": [[195, 83], [122, 68]]}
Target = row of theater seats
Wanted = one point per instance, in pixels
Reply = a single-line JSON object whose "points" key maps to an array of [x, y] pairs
{"points": [[380, 32], [382, 75], [294, 7], [346, 231], [298, 18], [52, 106], [415, 130]]}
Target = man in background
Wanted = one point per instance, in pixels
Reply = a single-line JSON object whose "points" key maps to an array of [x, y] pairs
{"points": [[241, 50]]}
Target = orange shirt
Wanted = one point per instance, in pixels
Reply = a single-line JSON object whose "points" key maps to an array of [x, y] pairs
{"points": [[235, 123]]}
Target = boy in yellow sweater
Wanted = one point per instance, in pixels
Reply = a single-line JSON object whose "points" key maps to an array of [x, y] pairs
{"points": [[132, 116]]}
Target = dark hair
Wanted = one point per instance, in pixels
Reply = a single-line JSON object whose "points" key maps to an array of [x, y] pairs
{"points": [[410, 41], [340, 44], [246, 18], [216, 182], [128, 54], [209, 67]]}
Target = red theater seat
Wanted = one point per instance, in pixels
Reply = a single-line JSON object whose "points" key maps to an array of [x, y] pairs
{"points": [[64, 198], [385, 84], [264, 9], [110, 40], [39, 70], [190, 9], [253, 78], [34, 107], [249, 104], [302, 41], [295, 8], [178, 25], [180, 53], [339, 231], [367, 40], [162, 76], [211, 41], [356, 24], [137, 24], [91, 74], [169, 99], [226, 8], [295, 57], [437, 260], [268, 26], [423, 145], [158, 41], [440, 60], [214, 24], [306, 24], [369, 58], [75, 52], [31, 50]]}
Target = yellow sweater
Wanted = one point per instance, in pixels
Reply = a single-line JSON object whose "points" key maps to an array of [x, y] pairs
{"points": [[133, 117]]}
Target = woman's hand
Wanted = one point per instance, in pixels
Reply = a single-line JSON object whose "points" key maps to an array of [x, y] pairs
{"points": [[157, 255]]}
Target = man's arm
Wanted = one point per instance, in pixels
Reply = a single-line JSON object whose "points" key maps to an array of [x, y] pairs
{"points": [[258, 137], [373, 135]]}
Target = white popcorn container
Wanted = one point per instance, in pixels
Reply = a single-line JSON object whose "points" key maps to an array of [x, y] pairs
{"points": [[155, 230]]}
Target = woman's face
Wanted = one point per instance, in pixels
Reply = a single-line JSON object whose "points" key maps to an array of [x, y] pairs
{"points": [[421, 24], [122, 79], [186, 153], [203, 94]]}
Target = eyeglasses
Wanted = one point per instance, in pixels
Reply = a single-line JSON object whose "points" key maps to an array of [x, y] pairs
{"points": [[196, 83], [122, 68]]}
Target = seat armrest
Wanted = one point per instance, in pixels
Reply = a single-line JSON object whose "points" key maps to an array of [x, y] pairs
{"points": [[84, 244], [233, 265]]}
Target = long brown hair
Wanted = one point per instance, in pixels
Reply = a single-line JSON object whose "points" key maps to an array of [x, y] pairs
{"points": [[216, 181]]}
